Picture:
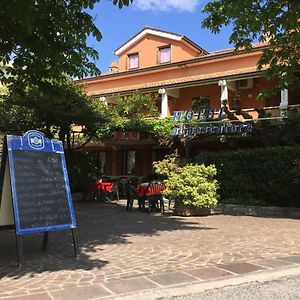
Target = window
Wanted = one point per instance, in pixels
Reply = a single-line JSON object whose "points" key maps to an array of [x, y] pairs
{"points": [[130, 157], [236, 102], [133, 61], [164, 55], [245, 84], [200, 102], [99, 162], [101, 157]]}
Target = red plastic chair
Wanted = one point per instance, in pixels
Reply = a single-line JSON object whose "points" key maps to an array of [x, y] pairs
{"points": [[155, 197]]}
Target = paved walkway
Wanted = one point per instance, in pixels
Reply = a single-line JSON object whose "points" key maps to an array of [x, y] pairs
{"points": [[124, 252]]}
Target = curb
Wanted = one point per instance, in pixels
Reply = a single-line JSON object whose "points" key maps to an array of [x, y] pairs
{"points": [[186, 289], [257, 211]]}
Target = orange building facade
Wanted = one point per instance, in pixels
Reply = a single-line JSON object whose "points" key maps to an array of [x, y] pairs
{"points": [[184, 76]]}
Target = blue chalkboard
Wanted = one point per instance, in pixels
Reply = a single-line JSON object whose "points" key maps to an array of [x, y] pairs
{"points": [[39, 182]]}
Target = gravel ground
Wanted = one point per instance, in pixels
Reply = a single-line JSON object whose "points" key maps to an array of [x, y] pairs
{"points": [[282, 289]]}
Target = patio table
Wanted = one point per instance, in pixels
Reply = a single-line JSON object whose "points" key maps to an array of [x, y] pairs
{"points": [[100, 188]]}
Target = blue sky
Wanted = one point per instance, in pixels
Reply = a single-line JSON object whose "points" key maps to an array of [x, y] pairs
{"points": [[178, 16]]}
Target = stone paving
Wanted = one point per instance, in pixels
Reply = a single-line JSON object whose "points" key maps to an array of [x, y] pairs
{"points": [[123, 252]]}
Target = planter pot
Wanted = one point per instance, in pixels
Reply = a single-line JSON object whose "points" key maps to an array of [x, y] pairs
{"points": [[190, 210]]}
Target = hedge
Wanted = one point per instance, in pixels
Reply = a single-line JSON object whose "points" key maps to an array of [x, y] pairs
{"points": [[269, 176]]}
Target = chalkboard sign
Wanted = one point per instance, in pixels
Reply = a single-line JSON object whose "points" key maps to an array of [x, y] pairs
{"points": [[39, 183], [40, 187], [35, 190]]}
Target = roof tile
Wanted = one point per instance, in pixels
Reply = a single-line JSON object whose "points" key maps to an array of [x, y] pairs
{"points": [[173, 81]]}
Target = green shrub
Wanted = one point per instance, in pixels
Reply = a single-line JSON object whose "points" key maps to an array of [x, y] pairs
{"points": [[268, 175], [189, 184]]}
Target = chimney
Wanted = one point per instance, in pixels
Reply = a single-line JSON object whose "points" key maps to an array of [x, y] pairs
{"points": [[113, 68]]}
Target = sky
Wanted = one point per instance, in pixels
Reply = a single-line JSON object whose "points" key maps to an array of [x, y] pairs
{"points": [[178, 16]]}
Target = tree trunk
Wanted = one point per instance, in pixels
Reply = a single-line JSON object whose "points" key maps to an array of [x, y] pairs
{"points": [[62, 135], [68, 140]]}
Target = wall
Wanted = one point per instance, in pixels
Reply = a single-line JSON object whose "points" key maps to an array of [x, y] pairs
{"points": [[147, 48], [248, 97], [204, 69], [187, 94]]}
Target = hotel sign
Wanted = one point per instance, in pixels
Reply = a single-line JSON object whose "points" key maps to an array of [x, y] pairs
{"points": [[206, 124]]}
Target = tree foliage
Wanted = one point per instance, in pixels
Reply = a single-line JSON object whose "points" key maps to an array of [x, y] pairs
{"points": [[45, 39], [42, 43], [130, 113], [53, 106], [275, 22], [136, 106]]}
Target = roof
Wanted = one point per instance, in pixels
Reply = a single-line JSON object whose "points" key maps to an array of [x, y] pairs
{"points": [[211, 56], [227, 50], [184, 81], [160, 33]]}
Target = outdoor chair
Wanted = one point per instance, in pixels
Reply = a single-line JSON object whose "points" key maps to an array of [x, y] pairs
{"points": [[106, 179], [154, 196], [114, 193], [106, 191]]}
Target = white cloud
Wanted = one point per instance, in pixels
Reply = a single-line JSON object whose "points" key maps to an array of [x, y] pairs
{"points": [[167, 5]]}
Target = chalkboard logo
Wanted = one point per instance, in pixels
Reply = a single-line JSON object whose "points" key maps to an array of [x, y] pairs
{"points": [[36, 140]]}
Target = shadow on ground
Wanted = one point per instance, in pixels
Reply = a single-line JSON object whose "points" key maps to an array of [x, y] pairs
{"points": [[98, 224]]}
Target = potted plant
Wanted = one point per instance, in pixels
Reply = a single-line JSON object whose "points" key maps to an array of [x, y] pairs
{"points": [[192, 187]]}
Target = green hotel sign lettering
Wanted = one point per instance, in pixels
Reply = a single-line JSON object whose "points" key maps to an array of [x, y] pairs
{"points": [[207, 123]]}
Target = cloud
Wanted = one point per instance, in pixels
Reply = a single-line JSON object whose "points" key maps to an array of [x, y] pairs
{"points": [[167, 5]]}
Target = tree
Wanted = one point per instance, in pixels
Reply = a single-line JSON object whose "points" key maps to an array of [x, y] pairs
{"points": [[47, 39], [53, 107], [41, 43], [276, 22]]}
